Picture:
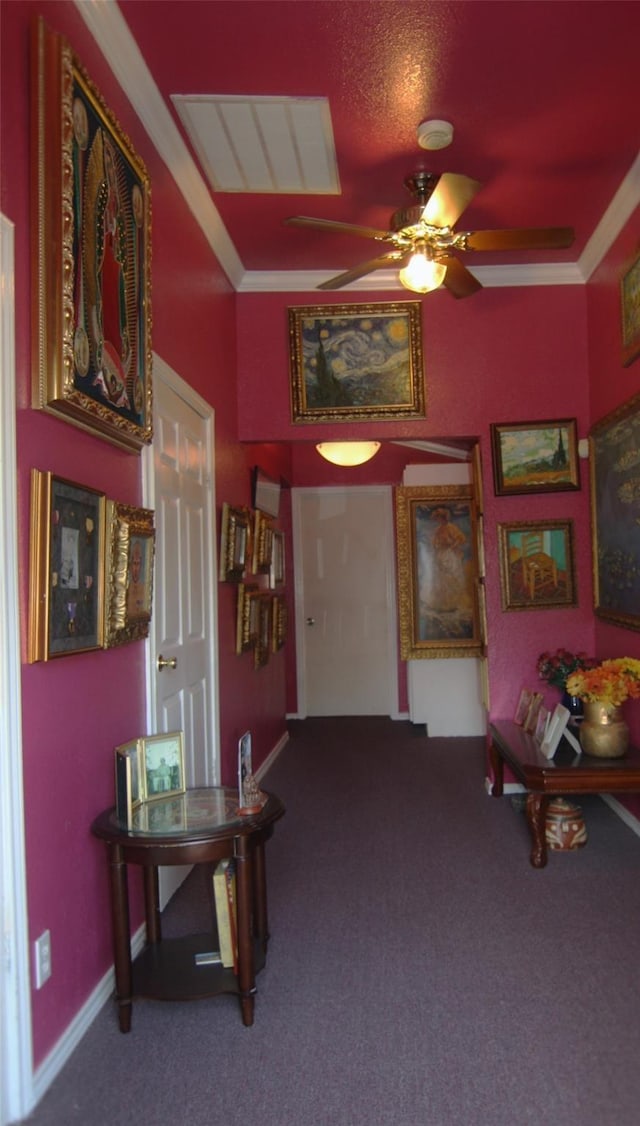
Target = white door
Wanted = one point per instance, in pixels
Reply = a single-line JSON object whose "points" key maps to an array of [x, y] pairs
{"points": [[184, 603], [179, 486], [345, 601]]}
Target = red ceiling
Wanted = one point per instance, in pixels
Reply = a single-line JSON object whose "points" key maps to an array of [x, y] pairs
{"points": [[543, 97]]}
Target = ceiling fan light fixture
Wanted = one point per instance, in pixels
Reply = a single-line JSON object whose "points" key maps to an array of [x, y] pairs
{"points": [[422, 274], [348, 453]]}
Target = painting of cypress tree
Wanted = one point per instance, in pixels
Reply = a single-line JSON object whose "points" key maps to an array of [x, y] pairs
{"points": [[535, 457]]}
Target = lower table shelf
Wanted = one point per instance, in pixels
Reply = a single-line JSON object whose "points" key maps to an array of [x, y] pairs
{"points": [[168, 971]]}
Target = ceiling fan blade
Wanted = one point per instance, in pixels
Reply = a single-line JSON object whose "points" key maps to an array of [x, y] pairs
{"points": [[332, 225], [458, 279], [449, 198], [364, 268], [533, 238]]}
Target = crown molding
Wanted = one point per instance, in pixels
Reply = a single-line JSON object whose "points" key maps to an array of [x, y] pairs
{"points": [[618, 212], [106, 23], [491, 277], [111, 33]]}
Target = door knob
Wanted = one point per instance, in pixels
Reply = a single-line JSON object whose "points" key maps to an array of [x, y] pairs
{"points": [[311, 621], [166, 662]]}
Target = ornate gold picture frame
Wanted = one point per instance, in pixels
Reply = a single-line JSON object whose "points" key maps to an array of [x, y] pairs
{"points": [[246, 617], [630, 302], [437, 572], [92, 275], [130, 557], [537, 570], [356, 362], [235, 542], [66, 580]]}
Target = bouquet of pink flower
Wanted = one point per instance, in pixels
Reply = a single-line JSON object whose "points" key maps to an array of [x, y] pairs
{"points": [[610, 683], [556, 667]]}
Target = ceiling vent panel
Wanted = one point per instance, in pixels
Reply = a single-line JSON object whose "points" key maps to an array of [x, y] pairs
{"points": [[262, 144]]}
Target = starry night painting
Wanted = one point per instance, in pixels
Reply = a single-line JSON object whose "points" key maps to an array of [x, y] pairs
{"points": [[356, 361]]}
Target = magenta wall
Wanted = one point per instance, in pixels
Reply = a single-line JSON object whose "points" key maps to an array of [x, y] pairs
{"points": [[611, 385], [77, 709], [502, 355]]}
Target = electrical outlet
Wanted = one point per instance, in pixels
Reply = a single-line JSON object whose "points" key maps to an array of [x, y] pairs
{"points": [[43, 958]]}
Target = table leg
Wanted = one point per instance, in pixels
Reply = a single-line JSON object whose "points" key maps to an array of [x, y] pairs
{"points": [[537, 817], [246, 969], [152, 904], [497, 765], [260, 895], [121, 935]]}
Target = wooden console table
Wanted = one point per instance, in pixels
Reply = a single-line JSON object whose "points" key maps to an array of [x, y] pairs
{"points": [[566, 773], [201, 826]]}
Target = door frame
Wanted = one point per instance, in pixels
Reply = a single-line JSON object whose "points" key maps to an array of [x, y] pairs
{"points": [[162, 371], [16, 1074], [385, 491]]}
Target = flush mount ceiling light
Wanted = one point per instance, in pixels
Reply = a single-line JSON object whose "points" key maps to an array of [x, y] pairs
{"points": [[348, 453], [422, 273]]}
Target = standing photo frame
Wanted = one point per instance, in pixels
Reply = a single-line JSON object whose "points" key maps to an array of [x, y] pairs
{"points": [[614, 452], [128, 781], [356, 362], [92, 223], [630, 308], [162, 765], [436, 545], [130, 558], [67, 573], [537, 570], [535, 457]]}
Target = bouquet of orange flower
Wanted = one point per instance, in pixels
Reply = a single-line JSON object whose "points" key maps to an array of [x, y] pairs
{"points": [[610, 683], [556, 667]]}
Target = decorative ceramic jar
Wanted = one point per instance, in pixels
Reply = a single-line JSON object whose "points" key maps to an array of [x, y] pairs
{"points": [[565, 828], [603, 731]]}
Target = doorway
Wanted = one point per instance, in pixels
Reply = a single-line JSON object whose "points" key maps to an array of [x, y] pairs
{"points": [[182, 669], [16, 1085], [345, 601]]}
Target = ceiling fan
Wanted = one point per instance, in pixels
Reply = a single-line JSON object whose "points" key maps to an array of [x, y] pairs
{"points": [[423, 242]]}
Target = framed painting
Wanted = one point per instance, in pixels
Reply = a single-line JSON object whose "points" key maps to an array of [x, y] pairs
{"points": [[66, 580], [536, 565], [235, 542], [130, 557], [615, 514], [630, 301], [437, 572], [92, 222], [535, 457], [356, 362], [263, 536], [276, 571], [262, 646], [162, 767], [278, 623], [246, 617]]}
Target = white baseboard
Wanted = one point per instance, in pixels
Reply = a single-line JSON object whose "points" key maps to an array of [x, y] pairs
{"points": [[623, 813], [508, 788], [618, 808], [52, 1064], [272, 756]]}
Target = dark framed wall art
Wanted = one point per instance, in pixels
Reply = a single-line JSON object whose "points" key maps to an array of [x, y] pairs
{"points": [[92, 222]]}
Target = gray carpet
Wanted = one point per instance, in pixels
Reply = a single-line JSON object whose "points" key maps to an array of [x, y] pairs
{"points": [[420, 971]]}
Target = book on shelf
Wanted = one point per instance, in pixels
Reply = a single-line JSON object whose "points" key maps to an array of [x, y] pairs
{"points": [[224, 892]]}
